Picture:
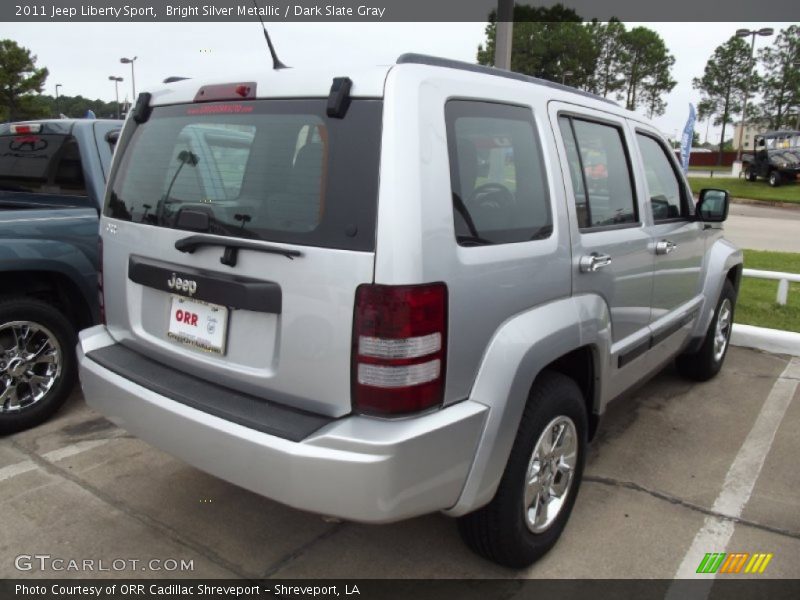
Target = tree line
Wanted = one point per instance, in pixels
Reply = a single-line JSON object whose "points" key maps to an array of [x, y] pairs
{"points": [[608, 59], [21, 84], [634, 66], [730, 74]]}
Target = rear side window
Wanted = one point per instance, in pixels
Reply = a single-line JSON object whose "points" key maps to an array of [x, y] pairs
{"points": [[600, 172], [41, 164], [277, 170], [497, 175], [667, 198]]}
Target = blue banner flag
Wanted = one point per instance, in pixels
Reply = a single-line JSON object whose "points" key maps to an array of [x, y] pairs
{"points": [[686, 139]]}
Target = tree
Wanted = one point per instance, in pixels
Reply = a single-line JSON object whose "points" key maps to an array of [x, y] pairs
{"points": [[550, 43], [656, 85], [645, 66], [76, 106], [607, 38], [19, 81], [723, 83], [780, 85]]}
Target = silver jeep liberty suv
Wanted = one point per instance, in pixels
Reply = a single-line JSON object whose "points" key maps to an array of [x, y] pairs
{"points": [[377, 293]]}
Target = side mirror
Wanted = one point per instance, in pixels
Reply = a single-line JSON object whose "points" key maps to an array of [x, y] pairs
{"points": [[712, 207]]}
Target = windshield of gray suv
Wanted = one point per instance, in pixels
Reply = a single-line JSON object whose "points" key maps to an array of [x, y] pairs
{"points": [[277, 170]]}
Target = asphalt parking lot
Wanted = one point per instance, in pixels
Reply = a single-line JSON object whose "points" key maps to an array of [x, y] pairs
{"points": [[672, 466]]}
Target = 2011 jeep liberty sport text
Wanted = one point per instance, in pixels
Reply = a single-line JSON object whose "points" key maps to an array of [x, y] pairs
{"points": [[413, 290]]}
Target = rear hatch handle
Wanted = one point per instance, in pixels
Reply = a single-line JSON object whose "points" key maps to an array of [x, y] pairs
{"points": [[232, 247]]}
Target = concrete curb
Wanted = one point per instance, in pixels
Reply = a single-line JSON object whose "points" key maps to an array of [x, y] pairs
{"points": [[769, 340], [785, 204]]}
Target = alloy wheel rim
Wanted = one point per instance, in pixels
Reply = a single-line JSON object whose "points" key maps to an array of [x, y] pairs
{"points": [[550, 473], [30, 364], [722, 329]]}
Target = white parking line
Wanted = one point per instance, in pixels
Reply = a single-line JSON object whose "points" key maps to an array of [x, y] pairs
{"points": [[742, 475], [72, 450], [53, 456], [16, 469]]}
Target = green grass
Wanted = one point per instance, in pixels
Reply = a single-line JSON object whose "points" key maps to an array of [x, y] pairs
{"points": [[754, 190], [756, 303]]}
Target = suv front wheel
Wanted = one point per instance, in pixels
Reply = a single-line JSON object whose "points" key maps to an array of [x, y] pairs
{"points": [[540, 483], [706, 362], [37, 362]]}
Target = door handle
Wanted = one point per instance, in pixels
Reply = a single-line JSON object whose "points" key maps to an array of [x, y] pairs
{"points": [[665, 247], [593, 262]]}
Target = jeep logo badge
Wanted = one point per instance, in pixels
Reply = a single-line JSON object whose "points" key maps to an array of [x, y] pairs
{"points": [[182, 285]]}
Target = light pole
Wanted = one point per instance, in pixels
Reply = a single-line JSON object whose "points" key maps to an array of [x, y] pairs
{"points": [[564, 76], [505, 29], [130, 61], [58, 103], [116, 81], [766, 31]]}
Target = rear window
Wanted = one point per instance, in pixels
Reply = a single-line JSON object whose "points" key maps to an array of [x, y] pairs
{"points": [[41, 164], [277, 170]]}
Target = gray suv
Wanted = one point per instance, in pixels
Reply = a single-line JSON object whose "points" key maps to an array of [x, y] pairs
{"points": [[377, 293]]}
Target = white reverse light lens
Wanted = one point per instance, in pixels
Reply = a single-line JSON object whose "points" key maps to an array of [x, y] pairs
{"points": [[401, 348], [397, 377]]}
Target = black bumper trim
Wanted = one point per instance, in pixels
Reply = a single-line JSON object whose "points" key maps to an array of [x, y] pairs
{"points": [[262, 415]]}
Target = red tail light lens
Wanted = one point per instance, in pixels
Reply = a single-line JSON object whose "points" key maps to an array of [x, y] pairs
{"points": [[399, 348], [101, 301]]}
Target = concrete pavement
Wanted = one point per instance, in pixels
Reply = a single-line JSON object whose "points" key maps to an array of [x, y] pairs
{"points": [[78, 487], [758, 227]]}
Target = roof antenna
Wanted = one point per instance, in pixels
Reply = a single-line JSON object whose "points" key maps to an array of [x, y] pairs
{"points": [[276, 62]]}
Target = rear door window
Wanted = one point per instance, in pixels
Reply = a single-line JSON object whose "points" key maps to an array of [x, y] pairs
{"points": [[276, 170], [600, 171], [497, 176]]}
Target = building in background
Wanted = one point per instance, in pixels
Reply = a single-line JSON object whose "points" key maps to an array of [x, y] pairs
{"points": [[753, 128]]}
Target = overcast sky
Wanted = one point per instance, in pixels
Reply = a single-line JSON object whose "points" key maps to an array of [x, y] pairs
{"points": [[81, 56]]}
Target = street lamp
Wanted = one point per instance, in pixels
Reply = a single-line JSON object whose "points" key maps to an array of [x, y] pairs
{"points": [[766, 31], [564, 76], [130, 61], [116, 81], [58, 103]]}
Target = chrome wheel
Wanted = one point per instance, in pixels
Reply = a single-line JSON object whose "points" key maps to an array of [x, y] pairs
{"points": [[722, 329], [550, 473], [30, 363]]}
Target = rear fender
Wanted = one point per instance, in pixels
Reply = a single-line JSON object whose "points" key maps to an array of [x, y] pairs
{"points": [[519, 350]]}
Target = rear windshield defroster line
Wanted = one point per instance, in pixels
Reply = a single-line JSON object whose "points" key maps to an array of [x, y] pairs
{"points": [[274, 170]]}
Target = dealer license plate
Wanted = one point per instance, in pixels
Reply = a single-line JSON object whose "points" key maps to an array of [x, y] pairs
{"points": [[198, 324]]}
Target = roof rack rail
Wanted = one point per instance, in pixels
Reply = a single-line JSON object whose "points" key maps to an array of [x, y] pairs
{"points": [[435, 61]]}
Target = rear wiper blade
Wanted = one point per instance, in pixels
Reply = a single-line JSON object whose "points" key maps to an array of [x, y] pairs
{"points": [[232, 247]]}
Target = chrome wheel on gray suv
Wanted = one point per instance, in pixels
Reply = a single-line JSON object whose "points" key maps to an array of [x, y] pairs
{"points": [[707, 360], [722, 329], [550, 473], [540, 483], [37, 362]]}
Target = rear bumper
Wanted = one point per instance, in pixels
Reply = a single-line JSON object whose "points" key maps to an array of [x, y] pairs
{"points": [[355, 468]]}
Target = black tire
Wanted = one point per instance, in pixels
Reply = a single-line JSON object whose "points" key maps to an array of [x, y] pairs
{"points": [[750, 175], [498, 531], [705, 363], [40, 314], [775, 178]]}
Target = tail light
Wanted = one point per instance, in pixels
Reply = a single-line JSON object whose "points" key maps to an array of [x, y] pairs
{"points": [[101, 301], [399, 348]]}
